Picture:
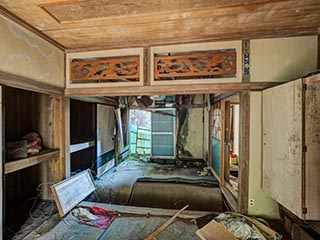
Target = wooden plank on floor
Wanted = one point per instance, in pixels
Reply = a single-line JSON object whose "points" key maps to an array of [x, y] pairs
{"points": [[214, 231], [145, 210]]}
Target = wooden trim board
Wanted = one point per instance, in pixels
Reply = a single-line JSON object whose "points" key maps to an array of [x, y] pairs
{"points": [[171, 89], [80, 146], [15, 81], [68, 193]]}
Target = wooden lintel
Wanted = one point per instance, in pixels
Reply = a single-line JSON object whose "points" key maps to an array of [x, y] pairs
{"points": [[221, 97], [15, 81], [170, 89], [96, 99]]}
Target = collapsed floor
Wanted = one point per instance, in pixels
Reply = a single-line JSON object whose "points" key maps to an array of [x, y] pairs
{"points": [[148, 191]]}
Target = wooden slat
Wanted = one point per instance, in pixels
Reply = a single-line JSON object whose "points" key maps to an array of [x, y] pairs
{"points": [[243, 190], [43, 156], [282, 145], [174, 89], [28, 84], [187, 214]]}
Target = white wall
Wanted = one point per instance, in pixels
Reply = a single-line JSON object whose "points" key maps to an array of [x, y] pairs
{"points": [[25, 54], [281, 59]]}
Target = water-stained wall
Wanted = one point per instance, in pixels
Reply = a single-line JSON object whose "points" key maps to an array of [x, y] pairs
{"points": [[190, 128], [22, 53]]}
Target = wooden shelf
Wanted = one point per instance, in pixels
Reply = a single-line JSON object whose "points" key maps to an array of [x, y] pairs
{"points": [[45, 155]]}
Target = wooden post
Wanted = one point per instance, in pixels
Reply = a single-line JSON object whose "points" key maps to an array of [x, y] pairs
{"points": [[1, 169], [222, 140], [244, 152], [66, 111]]}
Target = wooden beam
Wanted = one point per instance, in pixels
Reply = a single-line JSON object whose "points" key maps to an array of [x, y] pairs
{"points": [[188, 214], [29, 84], [13, 17], [99, 100], [43, 156], [244, 152], [221, 97], [172, 89]]}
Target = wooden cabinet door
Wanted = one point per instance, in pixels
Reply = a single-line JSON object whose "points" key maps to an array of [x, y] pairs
{"points": [[283, 145], [312, 162]]}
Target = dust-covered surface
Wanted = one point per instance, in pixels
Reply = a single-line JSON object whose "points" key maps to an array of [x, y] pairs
{"points": [[116, 185]]}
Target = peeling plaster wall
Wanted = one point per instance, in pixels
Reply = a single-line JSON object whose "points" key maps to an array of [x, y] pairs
{"points": [[280, 59], [190, 137], [22, 53]]}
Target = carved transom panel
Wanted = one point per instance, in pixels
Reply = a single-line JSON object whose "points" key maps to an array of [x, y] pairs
{"points": [[196, 65], [115, 69]]}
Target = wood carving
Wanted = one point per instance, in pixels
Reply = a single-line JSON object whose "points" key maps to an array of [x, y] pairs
{"points": [[111, 69], [195, 65]]}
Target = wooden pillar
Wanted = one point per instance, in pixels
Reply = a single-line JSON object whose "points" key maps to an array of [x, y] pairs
{"points": [[243, 191], [66, 134], [1, 170]]}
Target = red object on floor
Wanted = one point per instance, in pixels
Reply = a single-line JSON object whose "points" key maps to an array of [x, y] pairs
{"points": [[105, 218]]}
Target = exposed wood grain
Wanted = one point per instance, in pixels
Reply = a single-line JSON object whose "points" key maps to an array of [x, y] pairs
{"points": [[174, 89], [243, 189], [28, 84], [45, 155], [222, 142], [312, 141], [282, 145], [226, 142], [63, 11], [66, 136], [159, 22], [187, 214]]}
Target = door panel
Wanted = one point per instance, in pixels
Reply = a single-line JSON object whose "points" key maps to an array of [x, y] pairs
{"points": [[282, 145]]}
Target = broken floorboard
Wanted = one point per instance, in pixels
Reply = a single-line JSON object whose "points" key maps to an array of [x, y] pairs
{"points": [[145, 210], [133, 223]]}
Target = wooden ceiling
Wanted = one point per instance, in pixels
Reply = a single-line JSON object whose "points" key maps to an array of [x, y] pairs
{"points": [[109, 24]]}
